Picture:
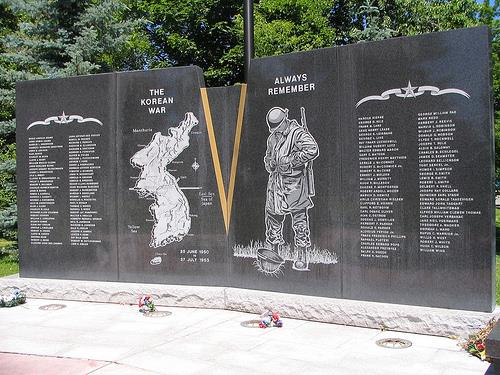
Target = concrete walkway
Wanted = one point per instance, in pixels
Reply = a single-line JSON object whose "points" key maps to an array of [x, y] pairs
{"points": [[100, 339]]}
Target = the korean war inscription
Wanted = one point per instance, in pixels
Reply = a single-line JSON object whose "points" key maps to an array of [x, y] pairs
{"points": [[362, 172], [170, 221]]}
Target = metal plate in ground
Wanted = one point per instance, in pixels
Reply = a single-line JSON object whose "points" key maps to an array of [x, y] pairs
{"points": [[394, 343], [52, 306], [157, 314], [250, 323]]}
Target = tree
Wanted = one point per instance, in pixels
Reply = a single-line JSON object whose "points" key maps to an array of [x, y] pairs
{"points": [[187, 32], [8, 207], [209, 33], [374, 27], [284, 26], [109, 39], [56, 38]]}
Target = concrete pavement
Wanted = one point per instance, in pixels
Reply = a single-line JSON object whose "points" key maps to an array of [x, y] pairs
{"points": [[117, 339]]}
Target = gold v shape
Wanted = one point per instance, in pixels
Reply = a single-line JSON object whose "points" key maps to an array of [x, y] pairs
{"points": [[226, 202]]}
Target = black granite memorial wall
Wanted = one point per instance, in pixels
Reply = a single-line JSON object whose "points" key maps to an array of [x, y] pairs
{"points": [[361, 172]]}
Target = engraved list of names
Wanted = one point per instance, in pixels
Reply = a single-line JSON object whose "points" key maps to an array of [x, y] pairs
{"points": [[442, 207], [83, 187], [45, 176], [57, 162], [379, 156]]}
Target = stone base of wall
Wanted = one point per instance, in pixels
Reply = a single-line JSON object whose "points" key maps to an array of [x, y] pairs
{"points": [[414, 319]]}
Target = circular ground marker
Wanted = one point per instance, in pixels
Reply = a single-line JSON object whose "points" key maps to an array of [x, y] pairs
{"points": [[157, 314], [394, 343], [250, 323], [53, 306]]}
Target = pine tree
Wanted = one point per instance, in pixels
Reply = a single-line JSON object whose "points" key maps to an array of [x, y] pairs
{"points": [[375, 27], [8, 207], [109, 39], [55, 38]]}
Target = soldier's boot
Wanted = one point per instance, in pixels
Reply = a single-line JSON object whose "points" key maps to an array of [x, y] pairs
{"points": [[301, 263], [275, 248]]}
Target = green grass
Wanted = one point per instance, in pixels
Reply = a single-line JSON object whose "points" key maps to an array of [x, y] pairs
{"points": [[5, 243], [498, 279], [498, 256], [8, 262], [8, 265], [498, 227]]}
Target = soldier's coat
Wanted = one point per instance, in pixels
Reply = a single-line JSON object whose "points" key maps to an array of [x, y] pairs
{"points": [[288, 152]]}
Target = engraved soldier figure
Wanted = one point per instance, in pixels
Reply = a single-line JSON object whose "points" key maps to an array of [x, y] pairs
{"points": [[289, 155]]}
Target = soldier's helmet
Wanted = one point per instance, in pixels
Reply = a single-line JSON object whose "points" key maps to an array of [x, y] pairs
{"points": [[275, 117]]}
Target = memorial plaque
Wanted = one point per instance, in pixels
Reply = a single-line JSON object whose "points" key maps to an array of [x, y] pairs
{"points": [[66, 178], [362, 172], [286, 225], [418, 170], [170, 221]]}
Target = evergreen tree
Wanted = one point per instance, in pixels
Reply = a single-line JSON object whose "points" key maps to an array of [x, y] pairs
{"points": [[375, 27], [55, 38], [109, 39], [8, 207]]}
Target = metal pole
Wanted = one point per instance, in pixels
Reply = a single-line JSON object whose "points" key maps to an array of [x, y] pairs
{"points": [[248, 34]]}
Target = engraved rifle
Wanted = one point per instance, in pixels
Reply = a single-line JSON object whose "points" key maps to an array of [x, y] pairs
{"points": [[309, 165]]}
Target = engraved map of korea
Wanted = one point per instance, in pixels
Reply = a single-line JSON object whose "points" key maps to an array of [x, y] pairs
{"points": [[170, 209]]}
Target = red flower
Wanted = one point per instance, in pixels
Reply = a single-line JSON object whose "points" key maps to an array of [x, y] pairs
{"points": [[144, 300], [480, 346]]}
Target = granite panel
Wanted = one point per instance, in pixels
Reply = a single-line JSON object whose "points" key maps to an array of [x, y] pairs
{"points": [[417, 170], [170, 222], [66, 177], [304, 86]]}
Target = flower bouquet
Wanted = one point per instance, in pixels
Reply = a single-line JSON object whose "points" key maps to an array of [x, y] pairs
{"points": [[16, 298], [476, 344], [146, 304], [270, 319], [477, 349]]}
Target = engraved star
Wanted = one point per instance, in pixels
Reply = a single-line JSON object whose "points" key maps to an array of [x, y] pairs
{"points": [[409, 90], [195, 165], [63, 118]]}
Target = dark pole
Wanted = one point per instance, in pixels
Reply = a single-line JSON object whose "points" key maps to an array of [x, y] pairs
{"points": [[248, 34]]}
